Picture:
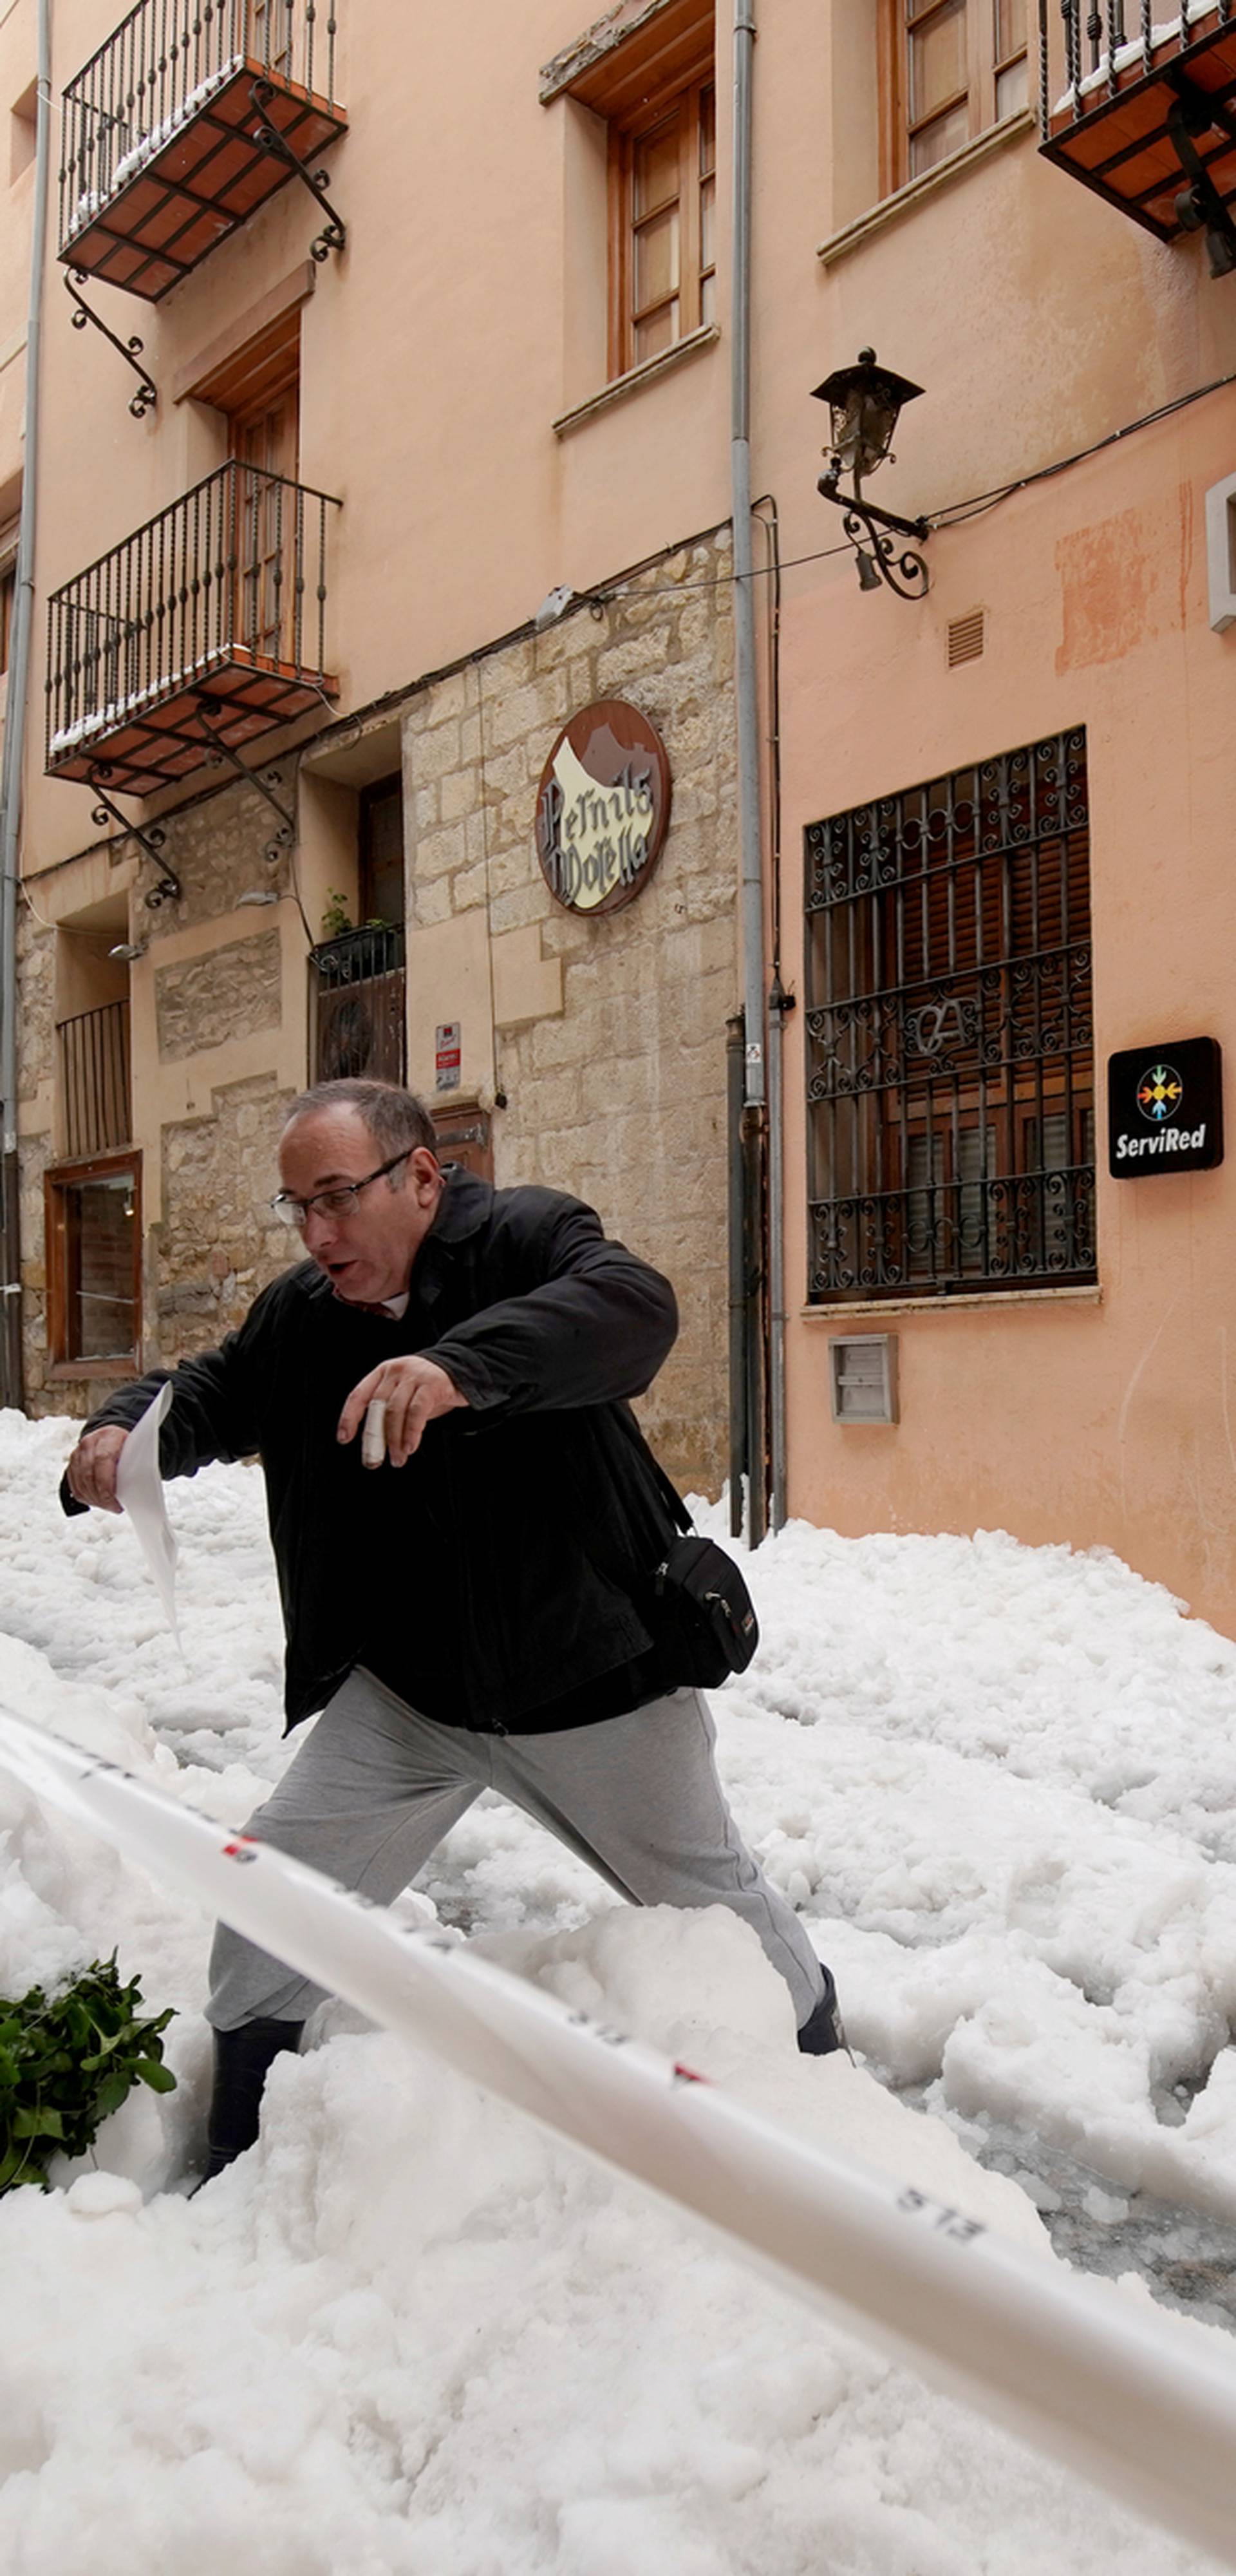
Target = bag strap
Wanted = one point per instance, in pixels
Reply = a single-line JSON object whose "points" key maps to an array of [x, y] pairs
{"points": [[672, 1498], [669, 1494]]}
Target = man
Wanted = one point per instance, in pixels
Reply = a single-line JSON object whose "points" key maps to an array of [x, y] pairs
{"points": [[478, 1612]]}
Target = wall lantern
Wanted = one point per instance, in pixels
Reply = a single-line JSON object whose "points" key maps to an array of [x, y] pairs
{"points": [[865, 403]]}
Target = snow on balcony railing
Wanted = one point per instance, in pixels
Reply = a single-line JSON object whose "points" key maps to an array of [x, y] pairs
{"points": [[160, 68], [1104, 49], [232, 572]]}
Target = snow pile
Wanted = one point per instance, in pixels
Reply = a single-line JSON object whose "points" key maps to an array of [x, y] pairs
{"points": [[136, 159], [116, 710], [1137, 53], [409, 2333]]}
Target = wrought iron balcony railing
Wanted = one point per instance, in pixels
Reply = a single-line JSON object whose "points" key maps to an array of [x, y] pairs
{"points": [[357, 1000], [93, 1051], [1143, 110], [166, 131], [204, 629]]}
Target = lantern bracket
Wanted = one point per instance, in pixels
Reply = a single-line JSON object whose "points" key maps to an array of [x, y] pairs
{"points": [[878, 560]]}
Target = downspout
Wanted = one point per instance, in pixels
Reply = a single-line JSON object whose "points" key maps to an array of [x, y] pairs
{"points": [[751, 922], [15, 746], [777, 1002], [735, 1050]]}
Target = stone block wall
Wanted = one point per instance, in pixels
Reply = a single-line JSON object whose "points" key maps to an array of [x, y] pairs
{"points": [[230, 993], [212, 1246], [614, 1080], [217, 1246], [608, 1041]]}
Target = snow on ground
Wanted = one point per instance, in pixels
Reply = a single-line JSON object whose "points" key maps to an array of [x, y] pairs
{"points": [[409, 2335]]}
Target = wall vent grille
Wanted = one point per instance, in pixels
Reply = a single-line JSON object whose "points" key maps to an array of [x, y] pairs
{"points": [[965, 638]]}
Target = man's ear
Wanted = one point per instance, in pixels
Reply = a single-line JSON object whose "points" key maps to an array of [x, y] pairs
{"points": [[426, 1169]]}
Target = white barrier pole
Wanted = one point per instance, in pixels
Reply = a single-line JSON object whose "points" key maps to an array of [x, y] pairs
{"points": [[1123, 2395]]}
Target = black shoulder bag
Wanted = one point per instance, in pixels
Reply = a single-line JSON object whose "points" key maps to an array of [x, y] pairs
{"points": [[701, 1609]]}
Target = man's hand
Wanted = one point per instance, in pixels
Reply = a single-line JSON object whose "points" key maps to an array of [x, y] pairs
{"points": [[414, 1390], [91, 1470]]}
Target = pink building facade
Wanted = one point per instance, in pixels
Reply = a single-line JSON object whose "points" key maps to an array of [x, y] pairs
{"points": [[444, 452]]}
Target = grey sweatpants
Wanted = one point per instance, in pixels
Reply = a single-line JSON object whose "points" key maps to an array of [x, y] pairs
{"points": [[377, 1786]]}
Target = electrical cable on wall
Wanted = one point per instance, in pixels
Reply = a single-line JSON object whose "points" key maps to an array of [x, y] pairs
{"points": [[953, 514]]}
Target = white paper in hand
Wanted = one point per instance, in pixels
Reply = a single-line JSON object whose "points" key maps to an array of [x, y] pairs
{"points": [[139, 1487]]}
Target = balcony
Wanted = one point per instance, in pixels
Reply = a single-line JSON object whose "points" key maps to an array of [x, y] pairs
{"points": [[161, 156], [1144, 112], [358, 1005], [93, 1070], [205, 628]]}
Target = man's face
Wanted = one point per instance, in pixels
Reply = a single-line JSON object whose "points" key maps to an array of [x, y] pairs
{"points": [[367, 1253]]}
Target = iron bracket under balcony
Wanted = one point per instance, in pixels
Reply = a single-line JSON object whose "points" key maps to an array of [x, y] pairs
{"points": [[202, 631], [191, 115], [1148, 119]]}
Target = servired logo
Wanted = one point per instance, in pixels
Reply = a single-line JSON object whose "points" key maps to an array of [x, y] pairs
{"points": [[1165, 1109], [1159, 1093]]}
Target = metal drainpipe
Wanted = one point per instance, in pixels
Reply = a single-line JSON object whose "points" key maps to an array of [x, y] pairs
{"points": [[734, 1076], [776, 1255], [752, 906], [15, 740]]}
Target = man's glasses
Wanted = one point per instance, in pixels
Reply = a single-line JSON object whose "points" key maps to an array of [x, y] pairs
{"points": [[340, 1202]]}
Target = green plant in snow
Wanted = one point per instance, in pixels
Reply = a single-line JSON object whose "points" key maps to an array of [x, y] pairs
{"points": [[66, 2062]]}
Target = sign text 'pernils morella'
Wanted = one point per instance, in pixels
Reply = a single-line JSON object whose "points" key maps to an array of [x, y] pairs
{"points": [[1165, 1108], [602, 807]]}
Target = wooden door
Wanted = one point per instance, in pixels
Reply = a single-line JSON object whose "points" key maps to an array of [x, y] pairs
{"points": [[266, 439]]}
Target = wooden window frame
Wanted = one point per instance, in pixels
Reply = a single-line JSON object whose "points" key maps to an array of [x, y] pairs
{"points": [[683, 98], [268, 513], [983, 75], [56, 1183], [949, 1019]]}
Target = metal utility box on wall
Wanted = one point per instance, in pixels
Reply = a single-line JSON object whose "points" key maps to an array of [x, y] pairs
{"points": [[862, 1373]]}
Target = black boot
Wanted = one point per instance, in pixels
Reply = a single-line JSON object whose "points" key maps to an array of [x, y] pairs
{"points": [[243, 2059], [825, 2030]]}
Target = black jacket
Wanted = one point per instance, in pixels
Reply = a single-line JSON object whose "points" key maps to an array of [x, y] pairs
{"points": [[512, 1554]]}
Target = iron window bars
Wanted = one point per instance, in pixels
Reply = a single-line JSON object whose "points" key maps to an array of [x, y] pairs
{"points": [[209, 620], [950, 1079], [357, 1003], [93, 1049], [159, 158]]}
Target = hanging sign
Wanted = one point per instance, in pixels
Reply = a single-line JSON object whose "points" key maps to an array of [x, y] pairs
{"points": [[1165, 1108], [602, 808]]}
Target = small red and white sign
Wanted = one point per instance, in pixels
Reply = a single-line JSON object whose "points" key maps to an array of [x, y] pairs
{"points": [[447, 1055]]}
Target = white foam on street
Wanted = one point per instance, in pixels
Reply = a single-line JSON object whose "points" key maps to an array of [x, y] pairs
{"points": [[408, 2332]]}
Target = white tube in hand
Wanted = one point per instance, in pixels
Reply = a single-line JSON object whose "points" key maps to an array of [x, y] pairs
{"points": [[373, 1437]]}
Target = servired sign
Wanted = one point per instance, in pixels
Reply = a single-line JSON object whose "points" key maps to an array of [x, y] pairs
{"points": [[1165, 1108]]}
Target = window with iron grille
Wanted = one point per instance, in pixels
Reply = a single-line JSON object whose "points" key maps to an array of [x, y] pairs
{"points": [[950, 1058]]}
